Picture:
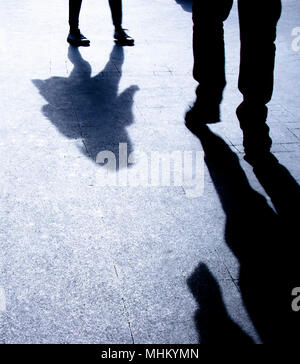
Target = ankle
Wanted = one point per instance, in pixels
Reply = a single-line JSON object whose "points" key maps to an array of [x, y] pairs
{"points": [[74, 31]]}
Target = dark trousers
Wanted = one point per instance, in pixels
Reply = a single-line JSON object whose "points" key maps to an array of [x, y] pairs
{"points": [[258, 22], [74, 11]]}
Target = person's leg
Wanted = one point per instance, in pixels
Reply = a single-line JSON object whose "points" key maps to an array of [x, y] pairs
{"points": [[209, 58], [258, 24], [74, 11], [208, 46], [116, 12], [120, 35], [75, 37]]}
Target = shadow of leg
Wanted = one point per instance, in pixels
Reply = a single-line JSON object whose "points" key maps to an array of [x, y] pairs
{"points": [[255, 234], [284, 192]]}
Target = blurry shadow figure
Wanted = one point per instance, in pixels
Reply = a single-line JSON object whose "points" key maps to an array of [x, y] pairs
{"points": [[258, 34], [186, 5], [264, 241], [90, 108], [212, 319]]}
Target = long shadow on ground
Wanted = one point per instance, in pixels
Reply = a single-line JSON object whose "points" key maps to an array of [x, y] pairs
{"points": [[265, 243]]}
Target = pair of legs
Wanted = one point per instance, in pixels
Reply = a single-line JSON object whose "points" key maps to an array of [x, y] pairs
{"points": [[258, 23], [74, 11], [76, 38]]}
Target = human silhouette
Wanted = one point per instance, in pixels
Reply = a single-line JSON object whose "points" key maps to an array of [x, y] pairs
{"points": [[258, 24], [263, 240], [76, 38], [90, 108]]}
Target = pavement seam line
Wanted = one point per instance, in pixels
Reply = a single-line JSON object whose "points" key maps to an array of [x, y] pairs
{"points": [[125, 308]]}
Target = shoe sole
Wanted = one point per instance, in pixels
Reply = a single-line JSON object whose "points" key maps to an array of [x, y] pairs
{"points": [[78, 44], [190, 118], [124, 42], [196, 129]]}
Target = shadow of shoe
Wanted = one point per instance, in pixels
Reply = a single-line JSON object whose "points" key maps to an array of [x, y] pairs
{"points": [[125, 43]]}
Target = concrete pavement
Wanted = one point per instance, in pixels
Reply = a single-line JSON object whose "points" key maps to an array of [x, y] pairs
{"points": [[81, 263]]}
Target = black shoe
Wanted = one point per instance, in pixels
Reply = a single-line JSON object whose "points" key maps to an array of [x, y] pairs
{"points": [[122, 38], [77, 39], [199, 116]]}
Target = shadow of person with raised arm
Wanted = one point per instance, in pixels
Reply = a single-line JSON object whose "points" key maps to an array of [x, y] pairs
{"points": [[90, 108], [186, 5], [264, 241]]}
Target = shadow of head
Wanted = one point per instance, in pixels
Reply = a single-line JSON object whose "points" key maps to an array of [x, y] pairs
{"points": [[212, 319], [91, 109]]}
